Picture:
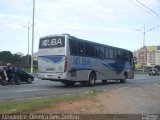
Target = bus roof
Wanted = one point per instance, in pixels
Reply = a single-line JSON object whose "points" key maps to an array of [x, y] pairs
{"points": [[53, 35], [72, 37], [75, 38]]}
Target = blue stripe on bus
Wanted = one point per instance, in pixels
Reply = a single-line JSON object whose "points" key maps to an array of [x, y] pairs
{"points": [[79, 69], [54, 59], [118, 67]]}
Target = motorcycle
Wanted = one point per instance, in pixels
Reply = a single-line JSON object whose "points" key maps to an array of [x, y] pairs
{"points": [[9, 77], [3, 78]]}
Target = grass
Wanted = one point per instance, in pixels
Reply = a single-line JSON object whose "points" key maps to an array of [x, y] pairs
{"points": [[28, 70], [16, 107]]}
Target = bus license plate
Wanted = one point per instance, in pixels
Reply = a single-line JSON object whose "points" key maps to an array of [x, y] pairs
{"points": [[49, 76]]}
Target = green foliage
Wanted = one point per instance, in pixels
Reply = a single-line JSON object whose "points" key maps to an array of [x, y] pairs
{"points": [[6, 56], [18, 60], [28, 69], [34, 104]]}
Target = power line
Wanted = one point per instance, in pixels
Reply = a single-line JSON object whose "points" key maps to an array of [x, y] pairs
{"points": [[138, 5], [148, 8], [143, 9]]}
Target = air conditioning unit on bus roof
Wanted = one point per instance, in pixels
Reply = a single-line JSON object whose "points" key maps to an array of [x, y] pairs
{"points": [[65, 34]]}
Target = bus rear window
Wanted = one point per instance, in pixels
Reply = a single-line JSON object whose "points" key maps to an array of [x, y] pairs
{"points": [[52, 42]]}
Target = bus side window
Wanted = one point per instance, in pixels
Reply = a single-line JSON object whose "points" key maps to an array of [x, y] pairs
{"points": [[96, 51], [106, 52], [101, 52], [80, 49], [114, 54], [124, 55], [110, 53], [89, 50], [119, 54], [86, 49], [130, 56], [73, 47]]}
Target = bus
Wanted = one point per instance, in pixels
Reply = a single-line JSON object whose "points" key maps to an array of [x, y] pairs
{"points": [[68, 59]]}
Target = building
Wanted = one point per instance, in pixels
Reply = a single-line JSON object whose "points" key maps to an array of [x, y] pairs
{"points": [[153, 55], [157, 58], [148, 55], [141, 55]]}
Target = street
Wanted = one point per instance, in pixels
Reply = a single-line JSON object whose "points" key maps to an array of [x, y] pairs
{"points": [[41, 88]]}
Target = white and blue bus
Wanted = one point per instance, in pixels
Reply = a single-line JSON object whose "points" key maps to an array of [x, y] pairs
{"points": [[67, 59]]}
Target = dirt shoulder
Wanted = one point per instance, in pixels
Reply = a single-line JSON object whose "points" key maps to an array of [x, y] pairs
{"points": [[124, 100]]}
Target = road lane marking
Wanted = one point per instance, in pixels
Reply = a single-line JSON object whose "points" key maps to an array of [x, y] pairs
{"points": [[122, 88], [119, 89], [19, 99], [31, 90], [142, 80], [156, 84]]}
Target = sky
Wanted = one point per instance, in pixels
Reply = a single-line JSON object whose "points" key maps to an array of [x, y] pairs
{"points": [[117, 23]]}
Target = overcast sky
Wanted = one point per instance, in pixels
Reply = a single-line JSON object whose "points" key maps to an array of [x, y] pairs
{"points": [[112, 22]]}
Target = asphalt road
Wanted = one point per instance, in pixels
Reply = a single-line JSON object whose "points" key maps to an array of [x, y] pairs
{"points": [[40, 88]]}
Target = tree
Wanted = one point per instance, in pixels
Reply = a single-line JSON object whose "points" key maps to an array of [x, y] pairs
{"points": [[16, 59], [6, 56]]}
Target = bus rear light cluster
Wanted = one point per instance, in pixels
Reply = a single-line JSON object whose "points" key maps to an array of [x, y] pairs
{"points": [[65, 64]]}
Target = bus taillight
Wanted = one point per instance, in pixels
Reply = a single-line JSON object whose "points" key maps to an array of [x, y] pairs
{"points": [[65, 64]]}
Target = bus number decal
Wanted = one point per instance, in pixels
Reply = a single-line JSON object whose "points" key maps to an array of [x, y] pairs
{"points": [[82, 61]]}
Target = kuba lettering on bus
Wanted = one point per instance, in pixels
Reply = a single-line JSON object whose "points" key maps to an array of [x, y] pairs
{"points": [[52, 42], [82, 61]]}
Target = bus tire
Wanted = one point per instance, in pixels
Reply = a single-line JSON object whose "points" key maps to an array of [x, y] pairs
{"points": [[92, 79], [124, 78]]}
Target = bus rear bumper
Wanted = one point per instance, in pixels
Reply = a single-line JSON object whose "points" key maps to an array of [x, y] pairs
{"points": [[59, 77], [51, 76]]}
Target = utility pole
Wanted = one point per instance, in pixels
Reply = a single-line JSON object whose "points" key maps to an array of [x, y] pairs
{"points": [[143, 60], [28, 28], [28, 42], [144, 35], [32, 36], [146, 31]]}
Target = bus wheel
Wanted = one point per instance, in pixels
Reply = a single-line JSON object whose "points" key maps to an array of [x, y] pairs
{"points": [[92, 79], [124, 78]]}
